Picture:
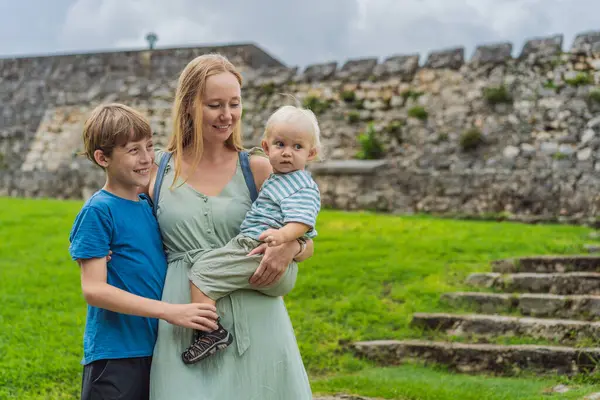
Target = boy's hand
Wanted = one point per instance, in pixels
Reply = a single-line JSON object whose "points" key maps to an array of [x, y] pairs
{"points": [[198, 316], [272, 237]]}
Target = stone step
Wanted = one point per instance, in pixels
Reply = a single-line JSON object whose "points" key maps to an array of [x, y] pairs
{"points": [[472, 358], [582, 307], [555, 283], [563, 331], [548, 264], [592, 248]]}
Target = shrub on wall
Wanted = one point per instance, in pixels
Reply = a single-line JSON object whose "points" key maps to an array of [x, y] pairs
{"points": [[359, 104], [315, 104], [471, 139], [394, 128], [348, 96], [594, 96], [411, 94], [497, 95], [550, 84], [370, 146], [353, 117], [581, 79], [268, 88], [418, 112]]}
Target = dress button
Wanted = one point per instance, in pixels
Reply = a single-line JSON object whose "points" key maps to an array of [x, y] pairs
{"points": [[208, 231], [205, 213]]}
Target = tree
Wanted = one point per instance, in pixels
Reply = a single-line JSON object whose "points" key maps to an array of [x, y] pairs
{"points": [[151, 38]]}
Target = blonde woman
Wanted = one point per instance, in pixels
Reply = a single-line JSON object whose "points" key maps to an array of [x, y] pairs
{"points": [[206, 187]]}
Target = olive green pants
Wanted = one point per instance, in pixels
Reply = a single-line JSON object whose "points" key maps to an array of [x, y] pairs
{"points": [[221, 271]]}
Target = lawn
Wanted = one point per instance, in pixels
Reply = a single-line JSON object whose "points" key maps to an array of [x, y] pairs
{"points": [[369, 274]]}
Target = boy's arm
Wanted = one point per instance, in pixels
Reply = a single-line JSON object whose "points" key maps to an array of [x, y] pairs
{"points": [[98, 293]]}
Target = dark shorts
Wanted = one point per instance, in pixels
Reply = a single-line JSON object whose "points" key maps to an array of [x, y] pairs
{"points": [[117, 379]]}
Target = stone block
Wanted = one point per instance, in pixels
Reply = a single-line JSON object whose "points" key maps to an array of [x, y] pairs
{"points": [[492, 54], [403, 66], [451, 58], [348, 167], [547, 46], [585, 41], [357, 70], [317, 72]]}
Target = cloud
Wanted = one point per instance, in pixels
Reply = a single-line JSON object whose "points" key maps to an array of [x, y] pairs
{"points": [[388, 27], [293, 31], [312, 31]]}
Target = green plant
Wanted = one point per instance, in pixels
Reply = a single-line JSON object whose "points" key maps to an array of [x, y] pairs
{"points": [[315, 104], [359, 104], [549, 84], [443, 137], [594, 96], [418, 112], [497, 95], [471, 139], [388, 103], [353, 117], [370, 146], [581, 79], [268, 88], [394, 127], [411, 94], [348, 96], [559, 156]]}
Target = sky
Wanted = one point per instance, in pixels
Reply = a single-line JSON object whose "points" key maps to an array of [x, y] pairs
{"points": [[296, 32]]}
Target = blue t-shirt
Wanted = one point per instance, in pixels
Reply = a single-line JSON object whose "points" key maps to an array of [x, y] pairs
{"points": [[138, 265]]}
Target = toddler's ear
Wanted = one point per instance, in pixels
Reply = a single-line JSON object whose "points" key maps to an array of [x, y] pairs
{"points": [[312, 154], [265, 146]]}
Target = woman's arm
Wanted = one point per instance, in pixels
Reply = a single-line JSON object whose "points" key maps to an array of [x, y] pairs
{"points": [[261, 169], [307, 252], [276, 259]]}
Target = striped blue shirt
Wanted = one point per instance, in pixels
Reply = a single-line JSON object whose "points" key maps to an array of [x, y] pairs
{"points": [[283, 198]]}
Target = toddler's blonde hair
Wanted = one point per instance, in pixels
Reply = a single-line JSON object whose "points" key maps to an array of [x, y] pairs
{"points": [[295, 115]]}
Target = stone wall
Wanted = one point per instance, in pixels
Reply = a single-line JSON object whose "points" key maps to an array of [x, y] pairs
{"points": [[495, 134], [44, 101]]}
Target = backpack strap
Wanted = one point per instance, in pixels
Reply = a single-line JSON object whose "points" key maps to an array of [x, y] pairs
{"points": [[248, 177], [162, 166]]}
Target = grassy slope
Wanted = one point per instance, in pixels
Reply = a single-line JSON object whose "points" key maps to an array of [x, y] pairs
{"points": [[370, 273]]}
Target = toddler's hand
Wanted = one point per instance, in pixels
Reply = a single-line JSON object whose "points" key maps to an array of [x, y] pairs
{"points": [[273, 237]]}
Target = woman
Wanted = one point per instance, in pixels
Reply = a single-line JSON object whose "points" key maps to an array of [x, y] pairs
{"points": [[203, 209]]}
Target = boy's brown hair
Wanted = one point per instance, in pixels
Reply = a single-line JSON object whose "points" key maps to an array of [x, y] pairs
{"points": [[113, 125]]}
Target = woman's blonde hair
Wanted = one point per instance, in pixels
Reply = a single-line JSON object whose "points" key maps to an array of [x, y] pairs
{"points": [[187, 128]]}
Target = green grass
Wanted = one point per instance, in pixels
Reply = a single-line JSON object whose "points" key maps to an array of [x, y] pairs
{"points": [[415, 382], [369, 274]]}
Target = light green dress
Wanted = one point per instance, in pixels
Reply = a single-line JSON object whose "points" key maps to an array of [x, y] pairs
{"points": [[263, 362]]}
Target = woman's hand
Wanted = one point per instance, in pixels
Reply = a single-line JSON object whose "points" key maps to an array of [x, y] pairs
{"points": [[274, 262]]}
